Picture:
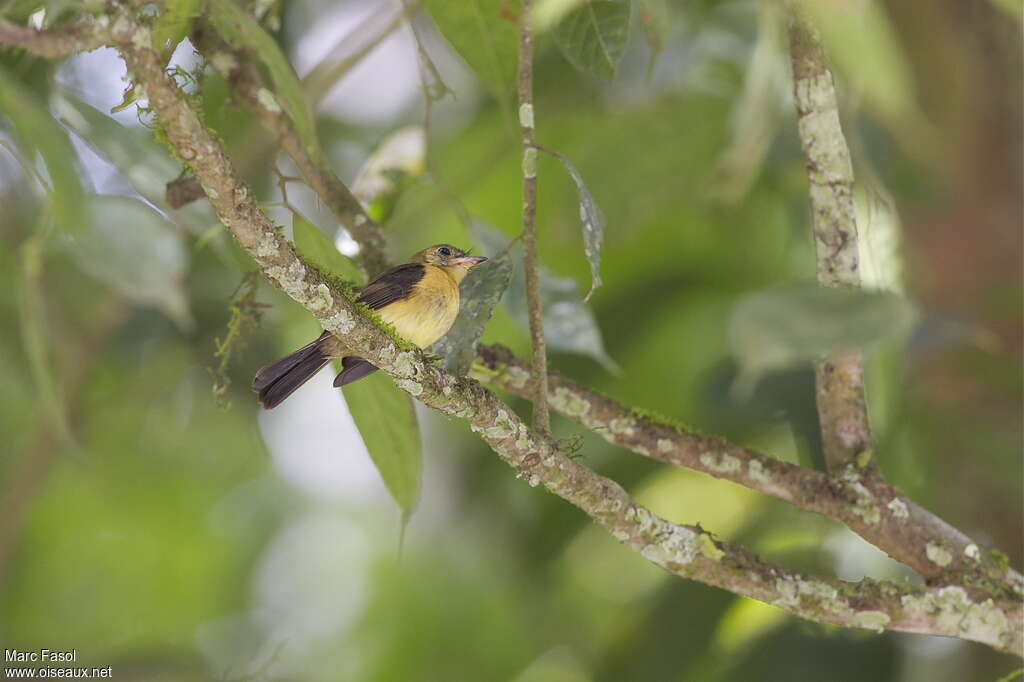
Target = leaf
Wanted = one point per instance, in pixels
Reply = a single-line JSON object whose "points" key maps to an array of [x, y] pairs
{"points": [[135, 251], [142, 160], [593, 36], [792, 326], [36, 130], [173, 24], [593, 225], [385, 418], [569, 324], [479, 292], [316, 247], [485, 35], [242, 31]]}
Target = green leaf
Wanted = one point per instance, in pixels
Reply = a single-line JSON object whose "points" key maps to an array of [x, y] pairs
{"points": [[174, 23], [37, 131], [479, 292], [569, 324], [593, 36], [242, 32], [316, 247], [142, 160], [390, 169], [385, 418], [593, 225], [485, 35], [135, 251], [792, 326]]}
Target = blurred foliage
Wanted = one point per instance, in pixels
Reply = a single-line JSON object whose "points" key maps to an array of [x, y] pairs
{"points": [[173, 539]]}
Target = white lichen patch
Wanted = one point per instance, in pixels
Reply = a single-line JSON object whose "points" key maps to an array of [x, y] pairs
{"points": [[321, 298], [517, 376], [534, 480], [267, 246], [341, 322], [955, 614], [529, 162], [898, 508], [938, 554], [568, 403], [526, 115], [409, 386], [623, 426], [267, 100], [795, 593], [757, 472], [503, 426], [720, 462], [404, 364], [971, 551], [665, 446], [864, 504], [872, 620]]}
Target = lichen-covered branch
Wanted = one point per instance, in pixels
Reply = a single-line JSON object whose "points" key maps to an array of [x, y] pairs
{"points": [[682, 550], [321, 178], [82, 36], [534, 306], [839, 378], [866, 504]]}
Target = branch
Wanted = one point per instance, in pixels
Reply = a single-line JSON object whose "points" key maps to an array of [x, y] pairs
{"points": [[867, 505], [839, 378], [55, 43], [535, 310], [685, 551]]}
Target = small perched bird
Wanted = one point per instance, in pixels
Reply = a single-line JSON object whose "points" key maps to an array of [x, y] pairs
{"points": [[420, 299]]}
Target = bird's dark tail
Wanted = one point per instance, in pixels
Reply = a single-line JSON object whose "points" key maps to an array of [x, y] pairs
{"points": [[276, 382], [353, 369]]}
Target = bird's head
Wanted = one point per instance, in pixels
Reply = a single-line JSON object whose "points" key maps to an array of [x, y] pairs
{"points": [[454, 261]]}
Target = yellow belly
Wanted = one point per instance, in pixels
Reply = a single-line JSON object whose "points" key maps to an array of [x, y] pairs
{"points": [[428, 313]]}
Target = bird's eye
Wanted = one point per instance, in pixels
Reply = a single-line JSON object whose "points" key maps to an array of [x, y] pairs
{"points": [[444, 251]]}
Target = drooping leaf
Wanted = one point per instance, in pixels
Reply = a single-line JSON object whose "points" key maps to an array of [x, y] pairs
{"points": [[37, 131], [545, 14], [593, 36], [480, 292], [569, 324], [485, 35], [593, 225], [135, 251], [385, 418], [241, 31], [173, 24], [788, 327], [320, 250]]}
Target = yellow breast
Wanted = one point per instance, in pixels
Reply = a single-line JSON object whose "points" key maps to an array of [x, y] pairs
{"points": [[428, 313]]}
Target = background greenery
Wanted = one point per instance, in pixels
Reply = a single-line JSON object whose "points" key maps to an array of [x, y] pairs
{"points": [[171, 538]]}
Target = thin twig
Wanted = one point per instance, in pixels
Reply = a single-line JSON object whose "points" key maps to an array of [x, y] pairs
{"points": [[842, 408], [534, 306]]}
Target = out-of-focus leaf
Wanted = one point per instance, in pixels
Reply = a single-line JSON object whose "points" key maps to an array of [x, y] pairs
{"points": [[1012, 8], [788, 327], [242, 31], [547, 13], [143, 161], [744, 621], [385, 418], [593, 225], [569, 324], [593, 36], [173, 24], [399, 156], [757, 114], [318, 248], [861, 42], [135, 251], [879, 238], [485, 35], [480, 291], [37, 131]]}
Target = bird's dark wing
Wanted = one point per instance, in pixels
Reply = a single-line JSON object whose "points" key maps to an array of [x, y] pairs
{"points": [[394, 285]]}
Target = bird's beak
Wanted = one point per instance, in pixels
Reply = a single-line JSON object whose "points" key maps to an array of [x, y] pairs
{"points": [[469, 261]]}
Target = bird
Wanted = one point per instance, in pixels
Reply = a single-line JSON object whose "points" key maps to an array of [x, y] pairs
{"points": [[419, 298]]}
